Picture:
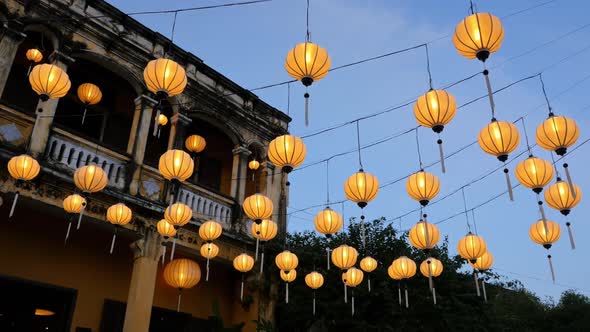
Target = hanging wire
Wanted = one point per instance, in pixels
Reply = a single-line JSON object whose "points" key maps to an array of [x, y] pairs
{"points": [[554, 165], [289, 99], [327, 182], [418, 150], [465, 209], [428, 66], [526, 136], [358, 141], [307, 34], [545, 93], [173, 28], [474, 223]]}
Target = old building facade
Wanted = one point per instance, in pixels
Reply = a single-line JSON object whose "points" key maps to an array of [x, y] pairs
{"points": [[84, 286]]}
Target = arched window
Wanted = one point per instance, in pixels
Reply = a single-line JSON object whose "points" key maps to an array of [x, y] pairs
{"points": [[156, 146], [256, 179]]}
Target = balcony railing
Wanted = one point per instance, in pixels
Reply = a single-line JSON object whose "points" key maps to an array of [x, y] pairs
{"points": [[207, 205]]}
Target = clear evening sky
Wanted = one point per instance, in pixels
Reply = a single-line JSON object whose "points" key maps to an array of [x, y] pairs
{"points": [[248, 44]]}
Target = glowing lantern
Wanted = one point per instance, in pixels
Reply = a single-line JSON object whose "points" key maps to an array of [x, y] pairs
{"points": [[361, 188], [209, 250], [165, 77], [243, 263], [286, 261], [89, 94], [424, 236], [34, 55], [288, 277], [534, 173], [178, 214], [423, 187], [557, 133], [435, 269], [258, 207], [182, 273], [165, 229], [478, 35], [353, 277], [344, 257], [265, 231], [195, 143], [74, 203], [162, 120], [545, 233], [471, 247], [210, 230], [328, 222], [91, 178], [484, 262], [435, 109], [176, 165], [368, 264], [253, 164], [314, 280], [403, 268], [49, 81], [119, 214], [287, 152], [22, 168], [560, 197], [499, 138]]}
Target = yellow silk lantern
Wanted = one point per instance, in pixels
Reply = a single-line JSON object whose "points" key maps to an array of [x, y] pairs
{"points": [[49, 81], [402, 268], [34, 55], [74, 203], [393, 273], [209, 250], [484, 262], [195, 143], [314, 280], [344, 256], [545, 232], [471, 247], [253, 164], [499, 138], [560, 197], [89, 94], [361, 188], [178, 214], [165, 229], [23, 167], [435, 109], [119, 214], [265, 231], [287, 152], [210, 230], [557, 133], [434, 270], [182, 273], [162, 120], [288, 276], [534, 173], [91, 178], [424, 236], [243, 263], [165, 77], [176, 165], [353, 277], [307, 62], [257, 207], [368, 264], [328, 222], [286, 261], [478, 35], [423, 187]]}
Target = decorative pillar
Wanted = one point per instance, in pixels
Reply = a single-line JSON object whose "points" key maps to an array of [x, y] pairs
{"points": [[11, 39], [239, 173], [272, 178], [140, 129], [46, 110], [146, 252], [179, 127]]}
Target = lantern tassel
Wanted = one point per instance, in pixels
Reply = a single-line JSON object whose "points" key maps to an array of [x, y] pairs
{"points": [[84, 115], [113, 243], [286, 292], [571, 235], [261, 262], [345, 294], [543, 217], [155, 132], [407, 302], [476, 282], [430, 282], [399, 293], [207, 273], [313, 303], [306, 95], [68, 232], [242, 289], [328, 257], [179, 297], [173, 249], [569, 180], [13, 205], [551, 268], [257, 243], [163, 254], [490, 93], [159, 130], [483, 288], [29, 70], [363, 230], [509, 185], [369, 283], [434, 295], [430, 286], [442, 156], [80, 218], [352, 304]]}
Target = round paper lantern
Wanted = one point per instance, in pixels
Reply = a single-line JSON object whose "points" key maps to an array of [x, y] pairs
{"points": [[435, 109], [534, 173], [328, 222], [368, 264], [393, 273], [287, 152], [484, 262], [119, 214], [403, 268], [307, 62], [314, 280], [195, 143], [34, 55], [210, 230], [182, 273], [559, 196], [471, 247], [49, 81], [478, 35], [165, 229], [74, 203], [344, 256], [545, 233], [353, 277], [164, 77], [257, 207], [286, 261], [435, 270], [178, 214], [424, 236], [176, 165], [361, 188], [288, 276], [423, 187], [89, 94], [499, 138], [23, 167], [162, 120], [91, 178], [209, 250], [557, 133], [253, 164], [265, 231], [243, 263]]}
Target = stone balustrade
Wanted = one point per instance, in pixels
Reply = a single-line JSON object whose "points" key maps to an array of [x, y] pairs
{"points": [[214, 207]]}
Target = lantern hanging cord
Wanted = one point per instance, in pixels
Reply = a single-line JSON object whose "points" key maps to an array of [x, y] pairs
{"points": [[418, 149], [545, 93], [307, 33], [465, 209], [474, 223], [428, 66], [526, 136], [471, 7], [358, 141], [289, 98], [554, 165], [328, 182]]}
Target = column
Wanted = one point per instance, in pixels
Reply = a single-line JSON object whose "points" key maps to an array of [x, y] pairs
{"points": [[46, 111], [143, 282], [140, 129], [239, 173], [179, 127], [12, 38]]}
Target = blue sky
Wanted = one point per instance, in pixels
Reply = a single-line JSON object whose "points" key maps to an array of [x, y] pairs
{"points": [[248, 44]]}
